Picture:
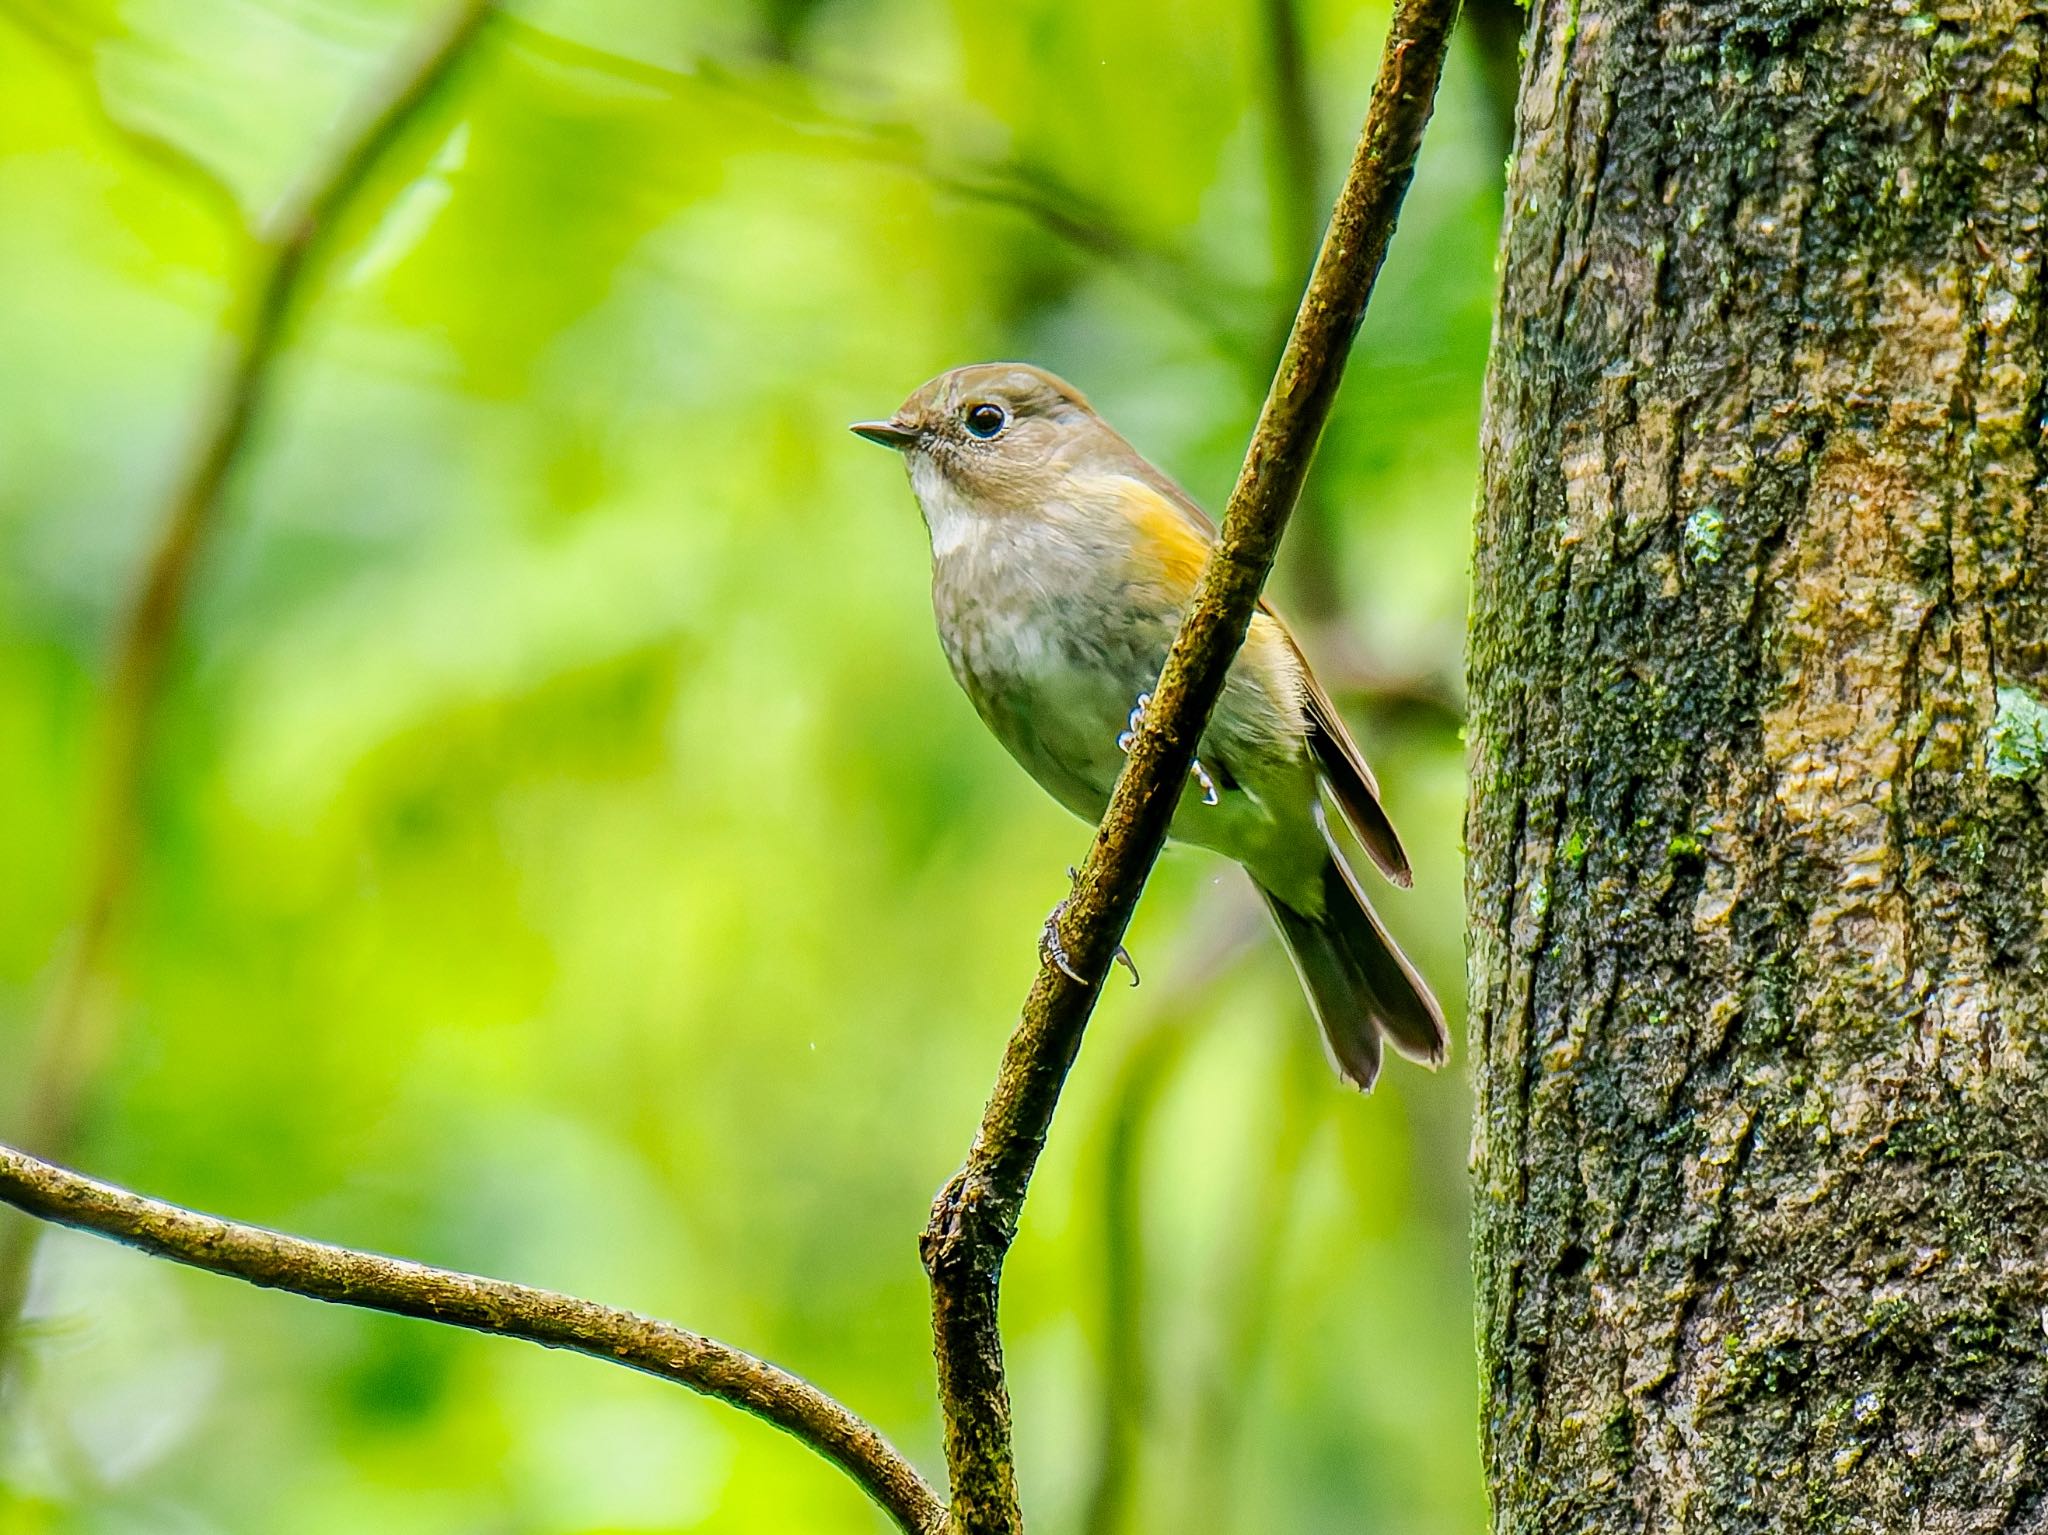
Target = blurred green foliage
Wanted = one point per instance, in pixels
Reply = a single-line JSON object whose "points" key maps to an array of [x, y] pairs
{"points": [[566, 855]]}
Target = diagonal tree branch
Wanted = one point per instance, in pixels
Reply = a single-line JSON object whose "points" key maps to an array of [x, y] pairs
{"points": [[974, 1219], [76, 1030], [402, 1288]]}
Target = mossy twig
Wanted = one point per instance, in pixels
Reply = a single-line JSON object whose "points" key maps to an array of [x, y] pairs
{"points": [[975, 1216]]}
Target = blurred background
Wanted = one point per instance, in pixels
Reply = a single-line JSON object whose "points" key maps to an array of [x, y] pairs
{"points": [[562, 852]]}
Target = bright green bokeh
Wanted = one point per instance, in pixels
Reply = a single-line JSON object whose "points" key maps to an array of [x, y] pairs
{"points": [[567, 857]]}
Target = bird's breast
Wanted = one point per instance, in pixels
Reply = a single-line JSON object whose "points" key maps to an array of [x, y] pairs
{"points": [[1043, 639], [1036, 599]]}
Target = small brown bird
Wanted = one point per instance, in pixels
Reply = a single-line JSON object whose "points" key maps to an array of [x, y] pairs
{"points": [[1062, 564]]}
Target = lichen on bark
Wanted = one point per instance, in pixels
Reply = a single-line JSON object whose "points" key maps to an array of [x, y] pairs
{"points": [[2018, 744], [1758, 923]]}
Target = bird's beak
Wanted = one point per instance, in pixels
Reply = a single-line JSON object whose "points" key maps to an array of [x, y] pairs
{"points": [[890, 434]]}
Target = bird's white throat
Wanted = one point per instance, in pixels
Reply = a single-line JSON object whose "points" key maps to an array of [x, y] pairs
{"points": [[948, 516]]}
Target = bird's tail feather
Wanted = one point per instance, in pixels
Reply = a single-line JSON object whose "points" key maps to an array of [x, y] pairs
{"points": [[1359, 983]]}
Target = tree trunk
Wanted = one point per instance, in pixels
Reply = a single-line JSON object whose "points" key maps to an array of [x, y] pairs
{"points": [[1759, 843]]}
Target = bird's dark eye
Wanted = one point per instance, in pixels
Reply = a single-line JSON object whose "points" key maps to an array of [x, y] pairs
{"points": [[985, 420]]}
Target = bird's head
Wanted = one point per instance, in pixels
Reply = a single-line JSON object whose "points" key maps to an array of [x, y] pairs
{"points": [[994, 439]]}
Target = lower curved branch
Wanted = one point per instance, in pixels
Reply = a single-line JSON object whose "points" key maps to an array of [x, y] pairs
{"points": [[350, 1278]]}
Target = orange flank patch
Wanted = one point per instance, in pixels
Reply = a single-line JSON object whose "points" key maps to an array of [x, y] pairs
{"points": [[1174, 539], [1169, 539]]}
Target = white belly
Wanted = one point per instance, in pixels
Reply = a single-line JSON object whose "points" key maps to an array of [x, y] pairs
{"points": [[1055, 699]]}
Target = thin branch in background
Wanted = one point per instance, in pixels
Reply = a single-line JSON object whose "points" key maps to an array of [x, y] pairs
{"points": [[1126, 1384], [77, 1028], [1293, 155], [1434, 693], [78, 56], [1148, 1069], [792, 98], [374, 1283], [974, 1219], [1312, 573], [1251, 1275], [1496, 28]]}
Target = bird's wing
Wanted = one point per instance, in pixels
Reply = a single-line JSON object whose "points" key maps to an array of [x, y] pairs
{"points": [[1182, 536], [1350, 780]]}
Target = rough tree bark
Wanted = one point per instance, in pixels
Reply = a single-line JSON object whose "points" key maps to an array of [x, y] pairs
{"points": [[1759, 857]]}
